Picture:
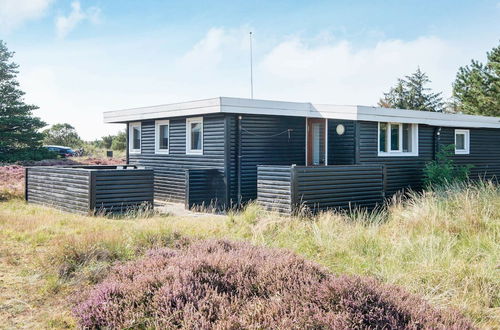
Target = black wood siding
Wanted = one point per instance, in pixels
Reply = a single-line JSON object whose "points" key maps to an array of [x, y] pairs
{"points": [[118, 191], [292, 189], [341, 148], [402, 171], [274, 188], [205, 188], [170, 177], [265, 140], [64, 188], [86, 189], [484, 150]]}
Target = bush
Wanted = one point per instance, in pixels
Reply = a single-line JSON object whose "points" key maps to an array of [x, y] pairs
{"points": [[219, 284], [27, 154], [443, 171]]}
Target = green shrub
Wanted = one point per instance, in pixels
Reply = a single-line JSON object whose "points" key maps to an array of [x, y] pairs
{"points": [[443, 171], [27, 154]]}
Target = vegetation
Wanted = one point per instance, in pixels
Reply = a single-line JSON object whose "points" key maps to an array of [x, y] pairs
{"points": [[62, 135], [225, 285], [443, 245], [114, 142], [443, 171], [476, 89], [19, 136], [411, 93]]}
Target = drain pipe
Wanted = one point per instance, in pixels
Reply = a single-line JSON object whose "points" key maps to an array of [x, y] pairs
{"points": [[238, 165], [436, 138]]}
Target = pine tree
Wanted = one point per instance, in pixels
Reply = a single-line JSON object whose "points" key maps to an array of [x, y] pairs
{"points": [[476, 89], [18, 127], [411, 93]]}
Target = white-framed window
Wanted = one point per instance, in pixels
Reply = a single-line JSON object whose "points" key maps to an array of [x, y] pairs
{"points": [[134, 138], [462, 141], [162, 136], [194, 136], [397, 139]]}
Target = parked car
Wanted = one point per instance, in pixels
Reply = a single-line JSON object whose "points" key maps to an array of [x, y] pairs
{"points": [[62, 151]]}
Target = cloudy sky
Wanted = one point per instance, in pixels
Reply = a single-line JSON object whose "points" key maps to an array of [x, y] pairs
{"points": [[80, 58]]}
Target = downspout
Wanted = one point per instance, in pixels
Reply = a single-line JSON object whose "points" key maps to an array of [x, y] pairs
{"points": [[127, 144], [238, 165], [436, 137]]}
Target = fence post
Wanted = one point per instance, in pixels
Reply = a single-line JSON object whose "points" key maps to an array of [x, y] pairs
{"points": [[293, 189], [186, 198], [26, 184], [92, 192]]}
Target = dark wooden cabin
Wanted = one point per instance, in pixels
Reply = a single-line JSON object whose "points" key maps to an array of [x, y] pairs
{"points": [[208, 151]]}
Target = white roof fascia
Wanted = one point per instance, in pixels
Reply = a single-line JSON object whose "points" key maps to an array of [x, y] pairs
{"points": [[425, 117], [299, 109], [164, 111]]}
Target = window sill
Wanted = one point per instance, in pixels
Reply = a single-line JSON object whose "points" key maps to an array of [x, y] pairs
{"points": [[161, 152], [398, 154], [134, 151], [194, 152], [462, 152]]}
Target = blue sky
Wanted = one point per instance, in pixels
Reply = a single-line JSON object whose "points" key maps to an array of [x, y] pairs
{"points": [[80, 58]]}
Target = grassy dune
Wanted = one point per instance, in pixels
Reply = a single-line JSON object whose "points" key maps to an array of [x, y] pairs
{"points": [[444, 246]]}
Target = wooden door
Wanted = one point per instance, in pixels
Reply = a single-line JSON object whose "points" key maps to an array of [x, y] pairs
{"points": [[316, 142]]}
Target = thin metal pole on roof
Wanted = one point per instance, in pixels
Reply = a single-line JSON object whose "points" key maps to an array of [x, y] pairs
{"points": [[251, 66]]}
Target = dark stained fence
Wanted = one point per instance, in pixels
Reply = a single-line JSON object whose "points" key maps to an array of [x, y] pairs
{"points": [[293, 189], [67, 189], [274, 187], [118, 191], [90, 189], [205, 188]]}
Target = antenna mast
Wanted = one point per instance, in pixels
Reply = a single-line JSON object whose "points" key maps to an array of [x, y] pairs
{"points": [[251, 66]]}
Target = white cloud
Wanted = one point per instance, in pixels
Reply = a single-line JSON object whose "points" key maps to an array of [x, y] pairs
{"points": [[65, 24], [142, 71], [13, 13], [339, 73]]}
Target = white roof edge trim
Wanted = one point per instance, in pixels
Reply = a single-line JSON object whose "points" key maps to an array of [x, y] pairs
{"points": [[299, 109]]}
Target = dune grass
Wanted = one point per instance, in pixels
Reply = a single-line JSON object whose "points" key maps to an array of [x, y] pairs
{"points": [[442, 245]]}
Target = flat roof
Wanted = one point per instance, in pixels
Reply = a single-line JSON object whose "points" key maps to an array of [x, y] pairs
{"points": [[298, 109]]}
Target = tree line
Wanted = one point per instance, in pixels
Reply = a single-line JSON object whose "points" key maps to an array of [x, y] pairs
{"points": [[66, 135], [476, 90]]}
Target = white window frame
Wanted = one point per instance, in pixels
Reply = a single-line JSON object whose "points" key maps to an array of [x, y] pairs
{"points": [[159, 123], [399, 152], [131, 127], [466, 134], [190, 121]]}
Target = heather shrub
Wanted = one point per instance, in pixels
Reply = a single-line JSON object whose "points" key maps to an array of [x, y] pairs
{"points": [[222, 285]]}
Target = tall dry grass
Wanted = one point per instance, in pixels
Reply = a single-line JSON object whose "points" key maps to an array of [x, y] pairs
{"points": [[443, 245]]}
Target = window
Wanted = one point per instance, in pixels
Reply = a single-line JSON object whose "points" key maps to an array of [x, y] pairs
{"points": [[134, 138], [462, 141], [397, 139], [194, 136], [162, 136]]}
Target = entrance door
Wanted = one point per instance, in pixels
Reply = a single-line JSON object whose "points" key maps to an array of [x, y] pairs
{"points": [[316, 141]]}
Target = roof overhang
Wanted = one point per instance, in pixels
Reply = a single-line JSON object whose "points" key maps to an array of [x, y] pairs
{"points": [[298, 109]]}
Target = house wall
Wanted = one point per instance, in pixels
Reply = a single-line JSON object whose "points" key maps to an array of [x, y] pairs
{"points": [[407, 171], [169, 170], [341, 148], [402, 172], [265, 140], [484, 150]]}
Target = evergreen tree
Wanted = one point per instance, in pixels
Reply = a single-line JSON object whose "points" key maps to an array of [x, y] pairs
{"points": [[18, 127], [476, 89], [411, 93]]}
